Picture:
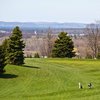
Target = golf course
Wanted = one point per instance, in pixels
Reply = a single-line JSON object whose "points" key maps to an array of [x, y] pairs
{"points": [[51, 79]]}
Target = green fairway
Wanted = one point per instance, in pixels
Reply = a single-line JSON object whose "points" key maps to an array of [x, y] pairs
{"points": [[51, 79]]}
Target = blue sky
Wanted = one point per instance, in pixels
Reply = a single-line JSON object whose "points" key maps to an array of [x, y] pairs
{"points": [[85, 11]]}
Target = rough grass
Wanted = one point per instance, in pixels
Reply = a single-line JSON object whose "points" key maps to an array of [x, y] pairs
{"points": [[51, 79]]}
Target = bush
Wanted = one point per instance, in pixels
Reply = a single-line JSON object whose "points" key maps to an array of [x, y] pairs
{"points": [[36, 55], [98, 56], [89, 56]]}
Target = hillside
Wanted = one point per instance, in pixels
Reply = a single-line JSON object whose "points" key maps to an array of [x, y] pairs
{"points": [[51, 79], [54, 25]]}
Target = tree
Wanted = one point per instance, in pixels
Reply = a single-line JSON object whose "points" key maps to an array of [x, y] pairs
{"points": [[2, 60], [5, 45], [93, 38], [49, 42], [36, 55], [15, 48], [42, 47], [63, 46]]}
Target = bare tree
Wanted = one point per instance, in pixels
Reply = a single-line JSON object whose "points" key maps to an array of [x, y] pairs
{"points": [[49, 42], [42, 47], [93, 38]]}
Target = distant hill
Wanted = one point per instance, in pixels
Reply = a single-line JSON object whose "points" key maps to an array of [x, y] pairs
{"points": [[33, 25]]}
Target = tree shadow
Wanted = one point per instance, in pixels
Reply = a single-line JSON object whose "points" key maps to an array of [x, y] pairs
{"points": [[30, 66], [8, 76]]}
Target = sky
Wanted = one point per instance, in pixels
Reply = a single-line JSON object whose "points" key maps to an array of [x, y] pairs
{"points": [[81, 11]]}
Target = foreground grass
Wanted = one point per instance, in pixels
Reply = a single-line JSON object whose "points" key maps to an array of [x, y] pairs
{"points": [[51, 79]]}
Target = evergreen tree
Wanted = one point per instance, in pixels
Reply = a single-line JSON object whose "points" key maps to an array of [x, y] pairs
{"points": [[5, 45], [36, 55], [15, 53], [63, 46], [2, 60]]}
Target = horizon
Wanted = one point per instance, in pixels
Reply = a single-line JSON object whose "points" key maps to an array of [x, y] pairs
{"points": [[45, 22]]}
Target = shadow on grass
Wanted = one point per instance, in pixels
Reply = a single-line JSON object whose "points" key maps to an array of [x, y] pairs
{"points": [[30, 66], [8, 76]]}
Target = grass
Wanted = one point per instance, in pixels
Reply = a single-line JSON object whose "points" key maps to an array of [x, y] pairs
{"points": [[51, 79]]}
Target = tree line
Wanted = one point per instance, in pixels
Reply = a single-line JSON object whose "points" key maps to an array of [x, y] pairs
{"points": [[11, 50]]}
